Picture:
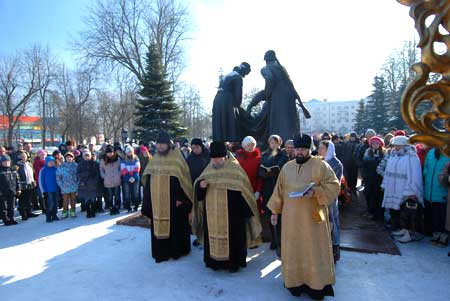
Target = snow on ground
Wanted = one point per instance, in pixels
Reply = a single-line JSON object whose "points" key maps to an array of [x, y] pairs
{"points": [[94, 259]]}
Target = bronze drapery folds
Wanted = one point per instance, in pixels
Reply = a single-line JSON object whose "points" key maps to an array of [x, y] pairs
{"points": [[433, 126]]}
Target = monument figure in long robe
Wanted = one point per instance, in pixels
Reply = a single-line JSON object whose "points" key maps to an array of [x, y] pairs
{"points": [[225, 111]]}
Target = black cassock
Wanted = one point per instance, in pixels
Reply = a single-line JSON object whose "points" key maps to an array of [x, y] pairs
{"points": [[179, 242], [238, 212]]}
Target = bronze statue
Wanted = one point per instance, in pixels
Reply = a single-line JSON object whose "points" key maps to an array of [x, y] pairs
{"points": [[225, 113]]}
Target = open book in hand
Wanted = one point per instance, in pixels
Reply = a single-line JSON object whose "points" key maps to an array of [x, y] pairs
{"points": [[297, 194], [271, 168]]}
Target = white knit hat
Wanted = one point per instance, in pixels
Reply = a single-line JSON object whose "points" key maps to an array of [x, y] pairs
{"points": [[400, 141], [129, 149], [248, 140]]}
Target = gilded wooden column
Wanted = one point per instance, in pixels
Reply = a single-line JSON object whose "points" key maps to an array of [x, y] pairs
{"points": [[433, 126]]}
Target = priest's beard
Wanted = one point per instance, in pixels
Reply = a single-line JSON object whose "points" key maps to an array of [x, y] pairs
{"points": [[218, 165], [301, 159], [164, 153]]}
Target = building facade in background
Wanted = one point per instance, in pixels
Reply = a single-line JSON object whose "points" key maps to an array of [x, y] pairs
{"points": [[329, 116], [28, 129]]}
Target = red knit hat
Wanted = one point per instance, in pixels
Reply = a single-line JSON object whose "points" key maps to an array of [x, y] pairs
{"points": [[399, 133], [376, 139]]}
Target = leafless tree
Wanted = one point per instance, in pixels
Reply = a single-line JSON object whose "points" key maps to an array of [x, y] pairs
{"points": [[194, 116], [76, 110], [18, 85], [119, 33], [116, 110], [45, 76]]}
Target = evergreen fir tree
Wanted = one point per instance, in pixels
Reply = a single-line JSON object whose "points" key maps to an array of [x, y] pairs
{"points": [[395, 114], [360, 118], [156, 108], [376, 108]]}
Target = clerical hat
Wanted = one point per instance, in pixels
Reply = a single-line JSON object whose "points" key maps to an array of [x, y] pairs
{"points": [[163, 137], [302, 141], [217, 149]]}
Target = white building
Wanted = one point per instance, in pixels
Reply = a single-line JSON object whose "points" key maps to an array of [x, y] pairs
{"points": [[329, 116]]}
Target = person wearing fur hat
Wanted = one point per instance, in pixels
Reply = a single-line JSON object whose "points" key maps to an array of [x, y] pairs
{"points": [[130, 168], [307, 266], [88, 173], [168, 201], [372, 180], [66, 177], [225, 111], [9, 190], [229, 208], [403, 189]]}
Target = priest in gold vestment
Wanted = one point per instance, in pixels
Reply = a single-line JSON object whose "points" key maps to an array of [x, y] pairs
{"points": [[168, 201], [306, 253], [230, 212]]}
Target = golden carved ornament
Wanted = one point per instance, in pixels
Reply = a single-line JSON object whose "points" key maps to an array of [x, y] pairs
{"points": [[433, 126]]}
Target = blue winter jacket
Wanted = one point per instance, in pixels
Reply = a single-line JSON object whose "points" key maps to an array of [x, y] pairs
{"points": [[433, 191], [47, 177]]}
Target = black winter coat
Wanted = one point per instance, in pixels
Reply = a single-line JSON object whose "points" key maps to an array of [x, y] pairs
{"points": [[9, 182]]}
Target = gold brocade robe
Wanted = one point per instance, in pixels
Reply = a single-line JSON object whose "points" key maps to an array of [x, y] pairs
{"points": [[306, 252], [230, 177], [161, 168]]}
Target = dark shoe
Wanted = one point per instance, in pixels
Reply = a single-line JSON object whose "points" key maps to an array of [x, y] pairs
{"points": [[88, 211], [8, 223], [273, 245], [336, 253], [31, 214], [55, 218], [129, 210], [24, 217], [48, 219], [196, 243]]}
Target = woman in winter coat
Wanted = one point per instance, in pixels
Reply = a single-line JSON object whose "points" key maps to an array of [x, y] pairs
{"points": [[110, 173], [372, 180], [435, 196], [328, 152], [48, 185], [27, 184], [249, 158], [38, 164], [444, 179], [403, 189], [88, 173], [66, 177], [130, 168], [271, 163]]}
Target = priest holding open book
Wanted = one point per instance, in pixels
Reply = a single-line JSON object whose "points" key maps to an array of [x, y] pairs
{"points": [[307, 257]]}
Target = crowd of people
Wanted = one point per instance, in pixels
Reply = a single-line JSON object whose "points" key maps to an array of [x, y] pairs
{"points": [[107, 179], [226, 193]]}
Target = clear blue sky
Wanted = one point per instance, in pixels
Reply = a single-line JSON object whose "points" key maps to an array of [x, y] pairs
{"points": [[332, 49], [52, 22]]}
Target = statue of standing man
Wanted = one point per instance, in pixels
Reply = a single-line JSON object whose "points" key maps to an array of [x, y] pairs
{"points": [[225, 112]]}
